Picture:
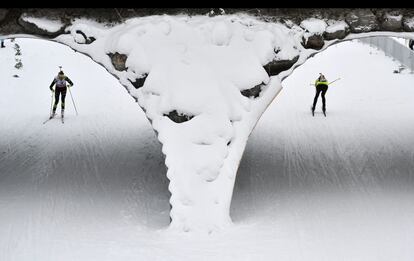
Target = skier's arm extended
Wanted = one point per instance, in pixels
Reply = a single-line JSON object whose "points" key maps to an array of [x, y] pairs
{"points": [[51, 85], [69, 81]]}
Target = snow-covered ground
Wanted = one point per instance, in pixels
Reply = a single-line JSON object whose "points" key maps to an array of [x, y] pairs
{"points": [[63, 183], [308, 188], [340, 187], [402, 41]]}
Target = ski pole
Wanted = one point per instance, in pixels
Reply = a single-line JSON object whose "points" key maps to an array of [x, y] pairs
{"points": [[51, 105], [334, 81], [73, 102]]}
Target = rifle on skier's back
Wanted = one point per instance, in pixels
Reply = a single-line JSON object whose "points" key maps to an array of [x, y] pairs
{"points": [[328, 83]]}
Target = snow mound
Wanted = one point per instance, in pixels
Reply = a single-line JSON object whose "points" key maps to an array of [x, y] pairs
{"points": [[314, 25], [196, 68], [48, 25]]}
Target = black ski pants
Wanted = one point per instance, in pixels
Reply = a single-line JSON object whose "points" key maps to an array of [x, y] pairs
{"points": [[60, 92], [321, 88]]}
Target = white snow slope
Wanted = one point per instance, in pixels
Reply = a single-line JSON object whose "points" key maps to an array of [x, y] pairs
{"points": [[59, 182], [308, 188]]}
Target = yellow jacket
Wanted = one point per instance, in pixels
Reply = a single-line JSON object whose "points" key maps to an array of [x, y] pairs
{"points": [[317, 82]]}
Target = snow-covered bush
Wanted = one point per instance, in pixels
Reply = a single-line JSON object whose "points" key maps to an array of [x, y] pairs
{"points": [[19, 63], [17, 48]]}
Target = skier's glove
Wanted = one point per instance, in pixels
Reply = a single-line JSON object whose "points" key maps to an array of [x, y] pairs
{"points": [[52, 90]]}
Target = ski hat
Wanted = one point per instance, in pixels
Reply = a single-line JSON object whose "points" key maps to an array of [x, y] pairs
{"points": [[322, 77], [61, 75]]}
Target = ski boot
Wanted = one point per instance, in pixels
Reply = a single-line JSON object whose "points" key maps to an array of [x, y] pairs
{"points": [[52, 115]]}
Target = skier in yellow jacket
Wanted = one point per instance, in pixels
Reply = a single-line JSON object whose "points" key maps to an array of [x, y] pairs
{"points": [[321, 85]]}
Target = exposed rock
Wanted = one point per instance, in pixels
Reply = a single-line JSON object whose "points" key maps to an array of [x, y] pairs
{"points": [[275, 67], [139, 82], [216, 11], [314, 41], [178, 117], [391, 21], [336, 30], [340, 34], [118, 61], [408, 24], [3, 13], [361, 21], [88, 40], [253, 92]]}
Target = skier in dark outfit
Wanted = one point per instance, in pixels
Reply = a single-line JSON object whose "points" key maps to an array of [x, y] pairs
{"points": [[61, 88], [321, 85]]}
